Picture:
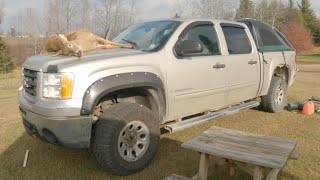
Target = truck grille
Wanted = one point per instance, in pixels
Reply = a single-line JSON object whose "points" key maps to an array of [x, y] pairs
{"points": [[29, 81]]}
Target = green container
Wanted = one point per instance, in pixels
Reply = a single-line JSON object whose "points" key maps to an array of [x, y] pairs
{"points": [[295, 106]]}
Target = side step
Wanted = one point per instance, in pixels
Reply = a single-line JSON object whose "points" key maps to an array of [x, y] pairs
{"points": [[179, 126]]}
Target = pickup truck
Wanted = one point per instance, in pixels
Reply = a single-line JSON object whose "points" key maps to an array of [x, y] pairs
{"points": [[180, 73]]}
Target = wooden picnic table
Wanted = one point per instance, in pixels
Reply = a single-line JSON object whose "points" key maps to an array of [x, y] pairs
{"points": [[238, 147]]}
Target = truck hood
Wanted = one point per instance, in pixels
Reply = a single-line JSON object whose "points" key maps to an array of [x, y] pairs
{"points": [[41, 62]]}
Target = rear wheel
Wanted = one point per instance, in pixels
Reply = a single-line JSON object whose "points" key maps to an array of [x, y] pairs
{"points": [[277, 96], [127, 137]]}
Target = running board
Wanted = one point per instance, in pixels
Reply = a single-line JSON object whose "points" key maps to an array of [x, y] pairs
{"points": [[179, 126]]}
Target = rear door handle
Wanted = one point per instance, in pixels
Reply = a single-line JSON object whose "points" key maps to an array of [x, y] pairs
{"points": [[219, 66], [252, 62]]}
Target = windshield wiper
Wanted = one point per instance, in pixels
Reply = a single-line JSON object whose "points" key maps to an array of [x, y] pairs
{"points": [[135, 46]]}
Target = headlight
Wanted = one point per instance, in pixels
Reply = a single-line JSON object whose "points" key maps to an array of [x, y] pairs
{"points": [[58, 85]]}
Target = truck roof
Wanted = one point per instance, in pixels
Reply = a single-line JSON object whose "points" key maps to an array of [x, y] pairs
{"points": [[215, 21]]}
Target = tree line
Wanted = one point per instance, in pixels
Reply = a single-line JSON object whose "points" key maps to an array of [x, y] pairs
{"points": [[107, 18], [104, 17], [110, 17], [280, 14]]}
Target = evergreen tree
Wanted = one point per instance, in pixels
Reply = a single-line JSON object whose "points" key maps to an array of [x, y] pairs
{"points": [[293, 14], [4, 61], [310, 19], [290, 14], [272, 12], [245, 10]]}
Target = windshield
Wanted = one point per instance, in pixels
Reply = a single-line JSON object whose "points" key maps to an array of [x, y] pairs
{"points": [[150, 36]]}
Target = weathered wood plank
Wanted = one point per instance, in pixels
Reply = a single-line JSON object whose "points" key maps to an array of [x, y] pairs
{"points": [[294, 155], [244, 147], [273, 174], [249, 137], [203, 167], [249, 141], [257, 173], [237, 154], [175, 177], [248, 168]]}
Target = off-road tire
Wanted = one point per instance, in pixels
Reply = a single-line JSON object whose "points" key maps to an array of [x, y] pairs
{"points": [[271, 102], [108, 130]]}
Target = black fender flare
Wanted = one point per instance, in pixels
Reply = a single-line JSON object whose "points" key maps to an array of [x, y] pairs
{"points": [[109, 84]]}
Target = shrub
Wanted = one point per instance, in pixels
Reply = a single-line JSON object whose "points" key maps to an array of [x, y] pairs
{"points": [[20, 48], [5, 64], [299, 36]]}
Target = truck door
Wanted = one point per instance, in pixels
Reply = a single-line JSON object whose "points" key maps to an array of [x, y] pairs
{"points": [[243, 65], [197, 81]]}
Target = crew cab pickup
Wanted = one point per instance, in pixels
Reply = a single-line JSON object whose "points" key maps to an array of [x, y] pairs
{"points": [[180, 73]]}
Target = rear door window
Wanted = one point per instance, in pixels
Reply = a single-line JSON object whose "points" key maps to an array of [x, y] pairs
{"points": [[237, 40]]}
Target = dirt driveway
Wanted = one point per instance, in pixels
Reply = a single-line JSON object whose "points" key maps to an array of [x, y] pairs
{"points": [[309, 68], [52, 162]]}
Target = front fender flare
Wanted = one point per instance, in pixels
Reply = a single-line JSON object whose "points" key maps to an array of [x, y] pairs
{"points": [[109, 84]]}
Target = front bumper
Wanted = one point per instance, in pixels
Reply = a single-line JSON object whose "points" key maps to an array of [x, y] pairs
{"points": [[67, 131]]}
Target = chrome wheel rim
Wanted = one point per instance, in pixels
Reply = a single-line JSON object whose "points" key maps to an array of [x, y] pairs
{"points": [[133, 141], [279, 96]]}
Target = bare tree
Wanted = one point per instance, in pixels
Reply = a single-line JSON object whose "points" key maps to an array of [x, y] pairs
{"points": [[271, 12], [85, 14], [54, 16], [186, 8], [27, 21], [1, 10], [218, 9], [104, 12], [62, 15], [132, 13], [69, 9], [113, 16]]}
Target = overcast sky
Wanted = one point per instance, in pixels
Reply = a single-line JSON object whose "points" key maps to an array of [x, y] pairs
{"points": [[147, 9]]}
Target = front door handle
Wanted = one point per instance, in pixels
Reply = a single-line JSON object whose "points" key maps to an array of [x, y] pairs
{"points": [[219, 66], [252, 62]]}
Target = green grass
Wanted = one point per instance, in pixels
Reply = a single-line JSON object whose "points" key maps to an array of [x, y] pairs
{"points": [[11, 75], [5, 93], [313, 57], [51, 162]]}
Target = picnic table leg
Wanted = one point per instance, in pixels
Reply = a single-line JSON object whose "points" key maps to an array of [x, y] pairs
{"points": [[257, 173], [273, 174], [203, 167]]}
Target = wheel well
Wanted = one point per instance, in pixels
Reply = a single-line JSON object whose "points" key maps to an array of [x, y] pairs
{"points": [[146, 96], [282, 72]]}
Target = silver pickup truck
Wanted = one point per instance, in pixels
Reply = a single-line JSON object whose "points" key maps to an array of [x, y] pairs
{"points": [[180, 73]]}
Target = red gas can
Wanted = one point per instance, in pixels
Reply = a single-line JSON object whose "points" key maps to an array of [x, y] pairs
{"points": [[308, 108]]}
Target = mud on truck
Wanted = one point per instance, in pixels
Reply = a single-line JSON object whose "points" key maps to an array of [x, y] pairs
{"points": [[115, 101]]}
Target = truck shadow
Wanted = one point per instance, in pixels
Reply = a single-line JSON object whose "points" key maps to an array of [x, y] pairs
{"points": [[47, 161]]}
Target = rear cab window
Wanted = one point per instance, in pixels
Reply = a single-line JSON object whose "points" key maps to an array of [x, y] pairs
{"points": [[237, 40], [267, 38]]}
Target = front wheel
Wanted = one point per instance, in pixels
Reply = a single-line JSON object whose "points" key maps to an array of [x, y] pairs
{"points": [[277, 96], [127, 137]]}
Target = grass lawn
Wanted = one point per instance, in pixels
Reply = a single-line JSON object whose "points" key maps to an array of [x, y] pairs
{"points": [[12, 75], [313, 57], [51, 162]]}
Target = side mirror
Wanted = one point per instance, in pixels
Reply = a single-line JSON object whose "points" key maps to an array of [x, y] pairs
{"points": [[188, 47]]}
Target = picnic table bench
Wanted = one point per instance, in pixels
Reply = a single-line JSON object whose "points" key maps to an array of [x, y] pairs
{"points": [[250, 152]]}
